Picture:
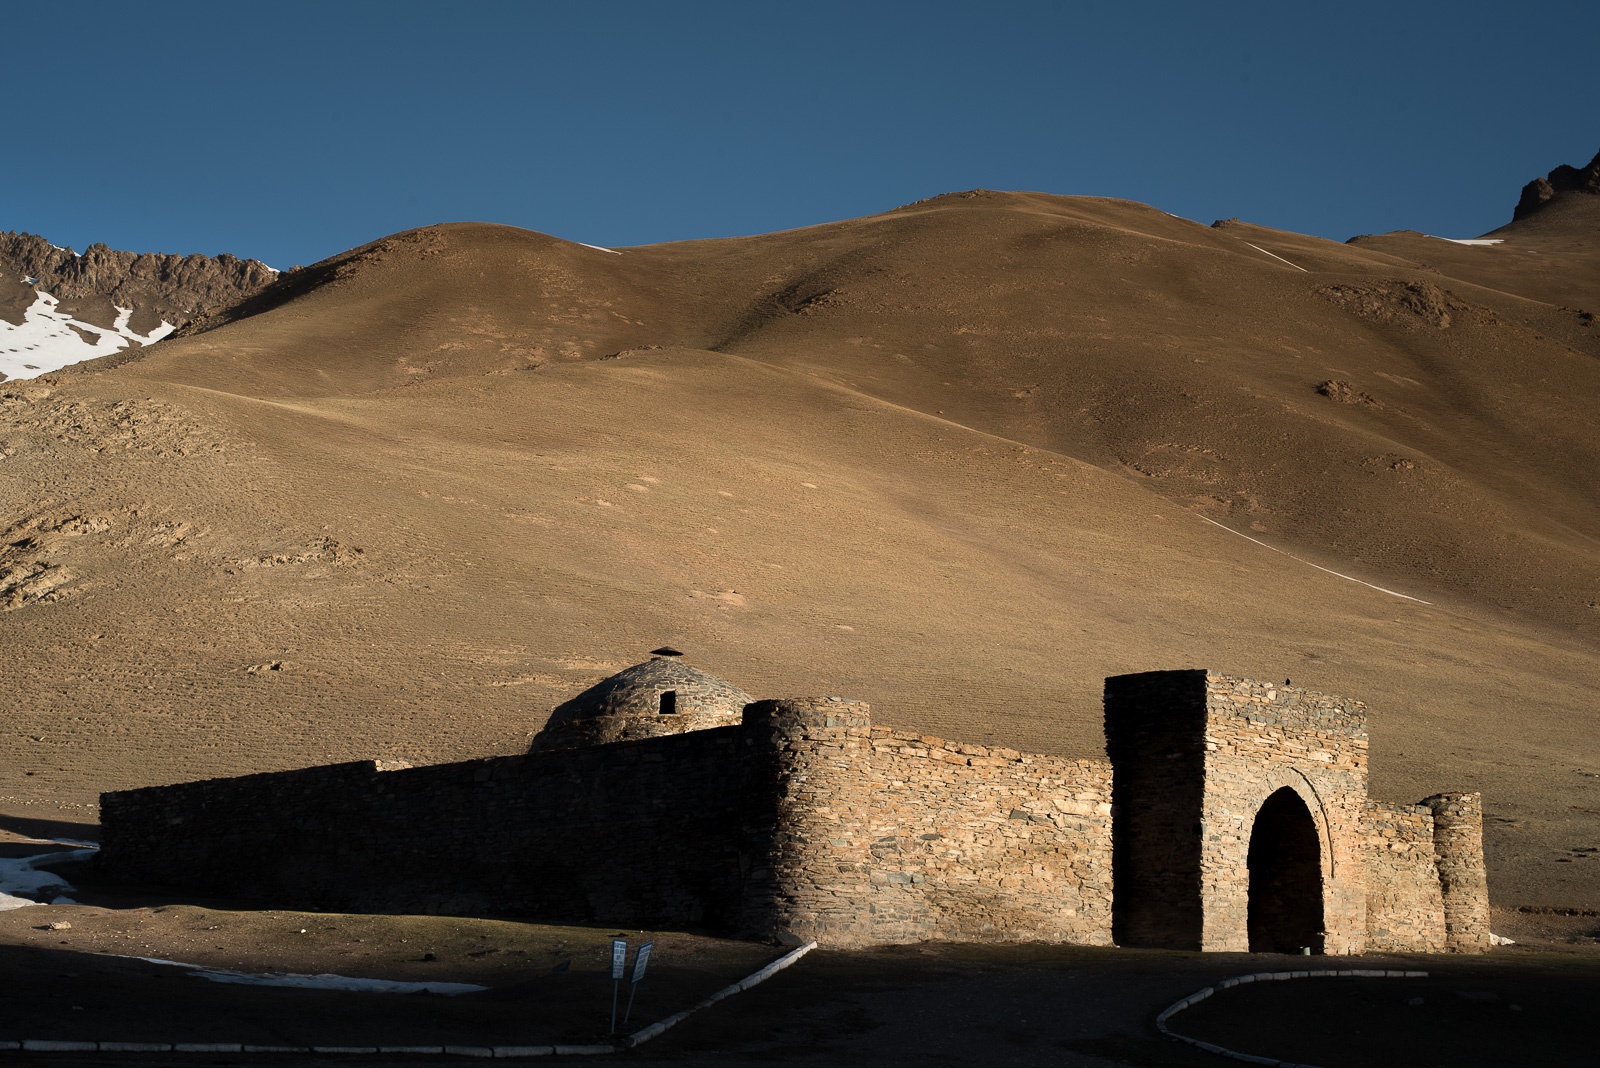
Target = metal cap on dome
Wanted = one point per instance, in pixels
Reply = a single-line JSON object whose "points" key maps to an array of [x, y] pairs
{"points": [[666, 650]]}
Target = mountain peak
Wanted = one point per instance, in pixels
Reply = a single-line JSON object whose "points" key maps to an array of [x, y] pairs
{"points": [[1564, 179]]}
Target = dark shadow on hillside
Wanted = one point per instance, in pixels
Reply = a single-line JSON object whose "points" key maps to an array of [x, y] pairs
{"points": [[50, 830], [290, 285], [297, 282]]}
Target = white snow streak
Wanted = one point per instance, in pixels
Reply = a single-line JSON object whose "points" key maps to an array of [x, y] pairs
{"points": [[597, 248], [1277, 257], [1474, 240], [47, 341], [325, 981], [1319, 567]]}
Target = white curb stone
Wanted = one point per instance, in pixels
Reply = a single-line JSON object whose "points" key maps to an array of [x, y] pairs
{"points": [[41, 1045], [1250, 1058]]}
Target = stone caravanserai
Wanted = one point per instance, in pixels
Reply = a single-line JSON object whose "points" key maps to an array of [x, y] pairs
{"points": [[1231, 815]]}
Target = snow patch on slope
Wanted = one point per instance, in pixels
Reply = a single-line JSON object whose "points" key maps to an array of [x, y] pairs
{"points": [[23, 884], [49, 340]]}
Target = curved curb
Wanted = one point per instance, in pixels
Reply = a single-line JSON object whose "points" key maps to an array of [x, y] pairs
{"points": [[38, 1045], [1264, 977], [746, 983]]}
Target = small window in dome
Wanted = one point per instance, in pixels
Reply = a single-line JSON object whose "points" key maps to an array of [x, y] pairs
{"points": [[669, 702]]}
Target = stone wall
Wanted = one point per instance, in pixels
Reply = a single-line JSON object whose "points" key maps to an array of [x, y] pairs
{"points": [[809, 876], [1405, 912], [643, 832], [1196, 756], [1239, 813], [881, 836], [1155, 736], [986, 843], [1260, 739], [1458, 852], [803, 822]]}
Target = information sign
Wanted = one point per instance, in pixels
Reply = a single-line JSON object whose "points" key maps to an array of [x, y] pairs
{"points": [[641, 960], [619, 967]]}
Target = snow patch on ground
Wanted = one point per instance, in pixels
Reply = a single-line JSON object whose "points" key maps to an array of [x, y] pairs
{"points": [[326, 981], [23, 884], [49, 339], [1474, 240], [597, 248], [21, 876]]}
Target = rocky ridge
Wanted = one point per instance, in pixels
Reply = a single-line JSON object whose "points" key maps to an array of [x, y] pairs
{"points": [[166, 286], [1564, 179]]}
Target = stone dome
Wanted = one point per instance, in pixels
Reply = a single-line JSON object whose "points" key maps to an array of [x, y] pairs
{"points": [[660, 696]]}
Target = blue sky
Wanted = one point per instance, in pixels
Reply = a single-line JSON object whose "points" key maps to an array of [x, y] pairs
{"points": [[290, 131]]}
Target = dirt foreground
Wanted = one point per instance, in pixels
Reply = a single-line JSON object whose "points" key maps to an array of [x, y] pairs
{"points": [[74, 972]]}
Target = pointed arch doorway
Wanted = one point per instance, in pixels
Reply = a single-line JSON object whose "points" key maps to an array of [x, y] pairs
{"points": [[1285, 862]]}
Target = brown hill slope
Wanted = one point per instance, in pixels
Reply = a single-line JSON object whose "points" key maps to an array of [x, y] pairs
{"points": [[962, 460]]}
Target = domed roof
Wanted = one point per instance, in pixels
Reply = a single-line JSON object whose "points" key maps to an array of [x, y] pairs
{"points": [[633, 703], [637, 691]]}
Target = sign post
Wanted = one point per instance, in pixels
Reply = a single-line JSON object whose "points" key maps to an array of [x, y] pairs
{"points": [[619, 960], [640, 961]]}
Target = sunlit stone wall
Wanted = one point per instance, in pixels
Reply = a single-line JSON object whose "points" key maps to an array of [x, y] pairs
{"points": [[804, 820]]}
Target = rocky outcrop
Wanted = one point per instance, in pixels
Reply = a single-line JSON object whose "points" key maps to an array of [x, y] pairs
{"points": [[174, 288], [1407, 304], [1564, 179]]}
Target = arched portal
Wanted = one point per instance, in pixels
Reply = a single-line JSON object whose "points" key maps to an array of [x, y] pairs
{"points": [[1285, 862]]}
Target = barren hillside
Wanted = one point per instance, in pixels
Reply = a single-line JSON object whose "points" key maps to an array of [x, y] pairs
{"points": [[962, 460]]}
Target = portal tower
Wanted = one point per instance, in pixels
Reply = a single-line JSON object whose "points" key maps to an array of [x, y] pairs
{"points": [[1236, 809]]}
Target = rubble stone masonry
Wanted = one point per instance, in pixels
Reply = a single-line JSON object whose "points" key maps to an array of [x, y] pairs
{"points": [[1261, 739], [648, 832], [1232, 813], [1458, 851], [1405, 907]]}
